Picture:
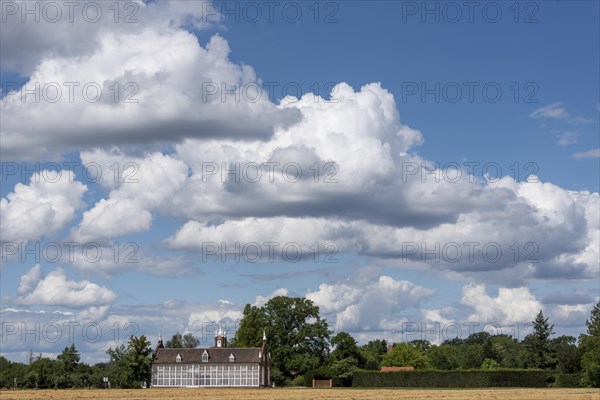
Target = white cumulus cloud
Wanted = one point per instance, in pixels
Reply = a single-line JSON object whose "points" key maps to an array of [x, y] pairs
{"points": [[55, 289], [512, 305], [41, 208]]}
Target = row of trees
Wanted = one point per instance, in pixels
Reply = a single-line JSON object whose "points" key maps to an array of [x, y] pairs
{"points": [[127, 367], [302, 346]]}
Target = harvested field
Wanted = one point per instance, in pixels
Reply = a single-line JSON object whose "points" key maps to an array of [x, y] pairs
{"points": [[307, 394]]}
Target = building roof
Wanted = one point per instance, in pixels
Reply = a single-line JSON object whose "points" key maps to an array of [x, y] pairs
{"points": [[215, 355]]}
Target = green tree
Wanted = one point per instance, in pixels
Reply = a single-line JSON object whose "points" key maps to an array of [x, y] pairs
{"points": [[345, 347], [297, 335], [470, 356], [118, 368], [444, 357], [178, 341], [372, 352], [139, 352], [593, 324], [590, 365], [250, 328], [45, 372], [97, 372], [342, 369], [68, 359], [478, 338], [537, 344], [344, 359], [566, 354], [589, 346], [12, 374], [190, 341], [404, 355], [508, 351]]}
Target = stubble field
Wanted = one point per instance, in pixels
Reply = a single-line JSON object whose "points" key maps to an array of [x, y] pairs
{"points": [[306, 394]]}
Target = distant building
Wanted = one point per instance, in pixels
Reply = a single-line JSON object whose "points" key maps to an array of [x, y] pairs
{"points": [[218, 366]]}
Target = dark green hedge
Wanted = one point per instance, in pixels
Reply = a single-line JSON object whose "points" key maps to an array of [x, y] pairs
{"points": [[566, 380], [462, 379]]}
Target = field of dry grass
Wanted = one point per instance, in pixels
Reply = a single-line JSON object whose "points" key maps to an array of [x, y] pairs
{"points": [[306, 394]]}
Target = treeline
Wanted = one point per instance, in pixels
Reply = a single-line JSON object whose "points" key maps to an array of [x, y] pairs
{"points": [[127, 367], [562, 358], [302, 348]]}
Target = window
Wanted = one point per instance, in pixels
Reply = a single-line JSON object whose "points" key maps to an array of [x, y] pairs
{"points": [[231, 358], [178, 358], [205, 356]]}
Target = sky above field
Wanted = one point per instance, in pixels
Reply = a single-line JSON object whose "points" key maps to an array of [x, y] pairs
{"points": [[419, 170]]}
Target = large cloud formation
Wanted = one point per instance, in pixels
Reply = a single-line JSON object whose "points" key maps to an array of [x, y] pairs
{"points": [[155, 83], [362, 190], [226, 170], [38, 30]]}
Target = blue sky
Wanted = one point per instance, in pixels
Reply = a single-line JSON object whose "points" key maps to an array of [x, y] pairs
{"points": [[382, 222]]}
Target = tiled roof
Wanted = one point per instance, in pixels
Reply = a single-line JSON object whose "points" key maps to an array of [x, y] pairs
{"points": [[215, 355]]}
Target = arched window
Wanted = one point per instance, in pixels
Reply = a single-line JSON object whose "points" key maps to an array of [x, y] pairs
{"points": [[231, 358], [205, 356], [178, 358]]}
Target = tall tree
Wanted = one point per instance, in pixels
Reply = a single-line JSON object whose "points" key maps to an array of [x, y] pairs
{"points": [[69, 358], [593, 324], [297, 335], [250, 329], [589, 346], [139, 351], [537, 343], [129, 366], [345, 347], [118, 369]]}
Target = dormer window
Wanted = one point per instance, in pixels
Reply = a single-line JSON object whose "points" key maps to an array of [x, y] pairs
{"points": [[178, 358], [231, 358], [205, 356], [259, 354]]}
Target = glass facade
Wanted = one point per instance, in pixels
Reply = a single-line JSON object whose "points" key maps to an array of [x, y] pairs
{"points": [[205, 375]]}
